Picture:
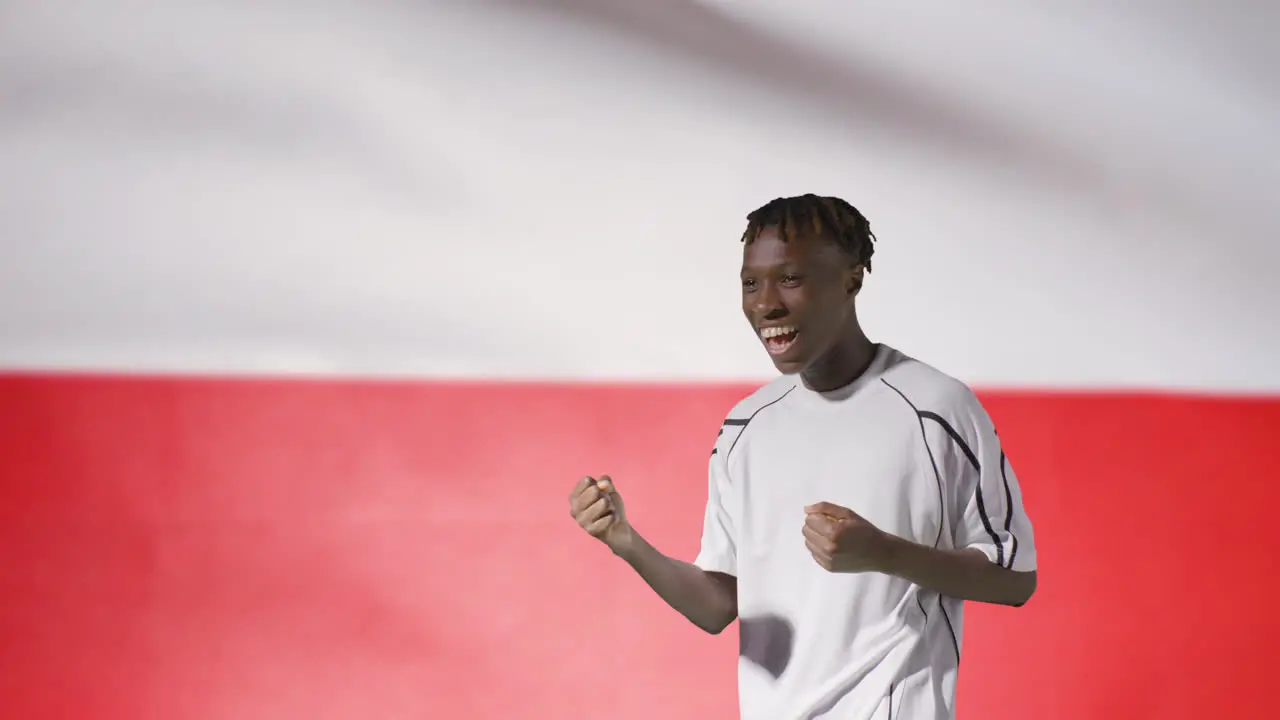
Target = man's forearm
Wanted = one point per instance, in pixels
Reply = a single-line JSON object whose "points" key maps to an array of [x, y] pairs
{"points": [[963, 574], [708, 600]]}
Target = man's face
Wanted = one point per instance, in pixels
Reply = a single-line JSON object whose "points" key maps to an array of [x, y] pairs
{"points": [[797, 296]]}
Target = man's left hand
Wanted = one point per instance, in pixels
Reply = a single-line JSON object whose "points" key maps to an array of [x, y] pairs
{"points": [[842, 541]]}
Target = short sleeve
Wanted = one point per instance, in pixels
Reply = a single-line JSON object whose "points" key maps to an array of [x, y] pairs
{"points": [[991, 516], [719, 547]]}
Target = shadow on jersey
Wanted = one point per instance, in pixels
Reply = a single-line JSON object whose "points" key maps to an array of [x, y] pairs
{"points": [[767, 641]]}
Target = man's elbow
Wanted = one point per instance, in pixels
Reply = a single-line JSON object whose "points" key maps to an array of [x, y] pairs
{"points": [[716, 624], [1022, 588], [721, 607]]}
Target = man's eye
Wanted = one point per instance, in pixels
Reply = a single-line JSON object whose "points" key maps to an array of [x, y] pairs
{"points": [[748, 284], [790, 279]]}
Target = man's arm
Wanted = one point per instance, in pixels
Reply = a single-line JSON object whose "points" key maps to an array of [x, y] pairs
{"points": [[840, 540], [994, 559], [706, 591], [708, 599], [965, 574]]}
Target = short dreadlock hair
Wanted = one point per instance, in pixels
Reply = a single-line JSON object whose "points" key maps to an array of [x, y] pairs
{"points": [[830, 216]]}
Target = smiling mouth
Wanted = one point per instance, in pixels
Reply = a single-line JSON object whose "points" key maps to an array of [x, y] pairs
{"points": [[778, 340]]}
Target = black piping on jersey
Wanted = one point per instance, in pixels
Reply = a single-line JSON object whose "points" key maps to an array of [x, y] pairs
{"points": [[942, 506], [733, 421], [964, 447], [891, 686], [950, 628], [973, 460], [743, 422], [1008, 513]]}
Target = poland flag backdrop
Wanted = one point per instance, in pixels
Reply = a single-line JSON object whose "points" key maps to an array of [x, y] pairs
{"points": [[312, 313]]}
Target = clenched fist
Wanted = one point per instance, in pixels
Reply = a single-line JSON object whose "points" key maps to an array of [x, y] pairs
{"points": [[841, 540], [597, 507]]}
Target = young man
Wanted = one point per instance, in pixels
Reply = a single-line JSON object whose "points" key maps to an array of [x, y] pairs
{"points": [[854, 504]]}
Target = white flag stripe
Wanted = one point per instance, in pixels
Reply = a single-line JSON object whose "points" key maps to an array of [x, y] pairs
{"points": [[1066, 195]]}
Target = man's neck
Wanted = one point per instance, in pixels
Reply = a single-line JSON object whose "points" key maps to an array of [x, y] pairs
{"points": [[844, 363]]}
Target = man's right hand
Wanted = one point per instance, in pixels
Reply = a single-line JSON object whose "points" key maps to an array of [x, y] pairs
{"points": [[597, 508]]}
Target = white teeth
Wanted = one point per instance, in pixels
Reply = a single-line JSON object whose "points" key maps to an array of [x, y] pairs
{"points": [[772, 332]]}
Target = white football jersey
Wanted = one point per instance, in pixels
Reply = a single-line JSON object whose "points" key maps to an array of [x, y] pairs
{"points": [[911, 450]]}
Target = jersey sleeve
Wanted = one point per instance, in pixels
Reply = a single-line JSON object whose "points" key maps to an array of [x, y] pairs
{"points": [[719, 552], [990, 514]]}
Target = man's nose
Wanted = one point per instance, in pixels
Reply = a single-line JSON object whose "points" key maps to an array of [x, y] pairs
{"points": [[768, 303]]}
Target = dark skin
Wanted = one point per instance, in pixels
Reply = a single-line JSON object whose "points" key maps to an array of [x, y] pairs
{"points": [[811, 284]]}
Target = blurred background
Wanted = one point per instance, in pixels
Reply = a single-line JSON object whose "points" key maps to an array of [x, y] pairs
{"points": [[312, 313]]}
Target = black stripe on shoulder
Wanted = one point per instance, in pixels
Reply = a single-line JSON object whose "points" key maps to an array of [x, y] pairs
{"points": [[743, 422], [937, 476], [964, 447], [972, 458]]}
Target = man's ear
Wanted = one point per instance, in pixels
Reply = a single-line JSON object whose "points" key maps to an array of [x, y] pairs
{"points": [[853, 279]]}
